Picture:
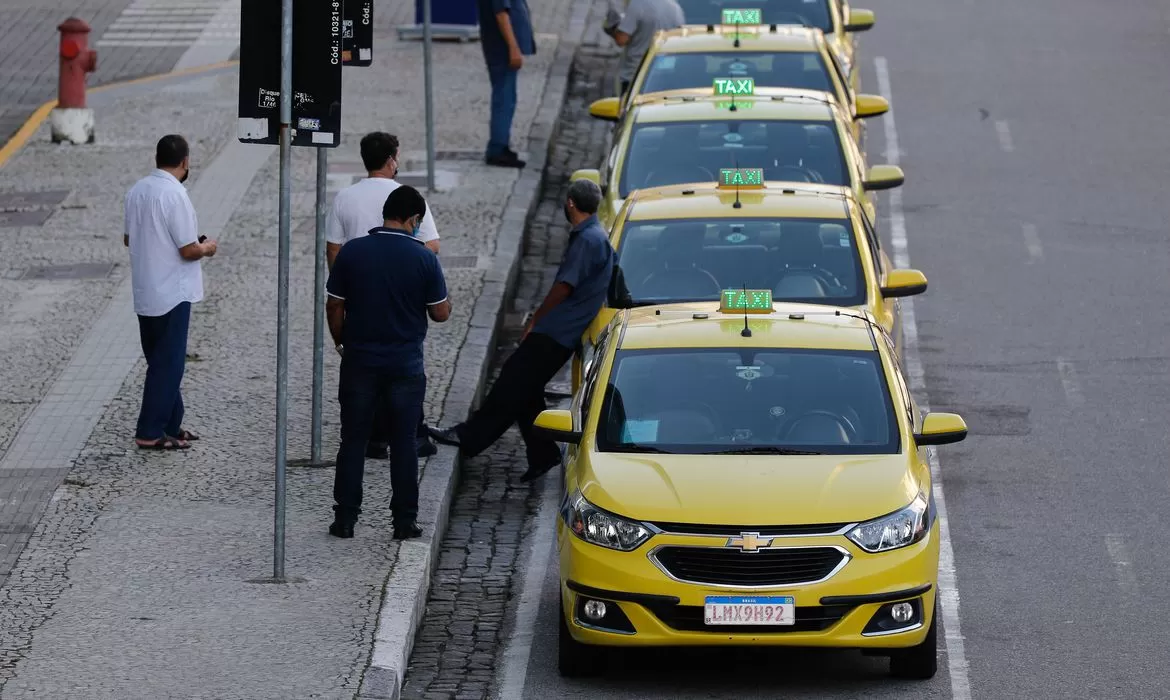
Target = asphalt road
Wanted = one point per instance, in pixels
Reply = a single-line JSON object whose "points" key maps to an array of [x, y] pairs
{"points": [[1034, 143]]}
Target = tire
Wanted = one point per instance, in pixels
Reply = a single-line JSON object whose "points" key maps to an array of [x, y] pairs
{"points": [[918, 662], [574, 659]]}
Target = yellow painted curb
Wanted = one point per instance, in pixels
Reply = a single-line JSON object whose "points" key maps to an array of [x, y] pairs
{"points": [[30, 126]]}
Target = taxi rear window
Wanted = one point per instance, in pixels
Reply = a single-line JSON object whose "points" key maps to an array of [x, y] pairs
{"points": [[748, 400], [805, 260], [810, 13], [780, 69], [675, 153]]}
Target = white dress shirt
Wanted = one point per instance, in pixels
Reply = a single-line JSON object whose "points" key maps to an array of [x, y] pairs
{"points": [[159, 220], [358, 208]]}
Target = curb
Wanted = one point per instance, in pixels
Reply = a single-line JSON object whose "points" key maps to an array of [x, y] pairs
{"points": [[404, 596]]}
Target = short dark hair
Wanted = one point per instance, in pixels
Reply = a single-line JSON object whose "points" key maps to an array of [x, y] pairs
{"points": [[378, 148], [403, 203], [585, 195], [171, 151]]}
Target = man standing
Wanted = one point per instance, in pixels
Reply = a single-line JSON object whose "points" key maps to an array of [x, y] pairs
{"points": [[166, 276], [636, 29], [381, 290], [552, 335], [357, 209], [505, 31]]}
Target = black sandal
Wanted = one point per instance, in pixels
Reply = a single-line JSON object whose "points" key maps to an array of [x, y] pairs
{"points": [[166, 443], [186, 435]]}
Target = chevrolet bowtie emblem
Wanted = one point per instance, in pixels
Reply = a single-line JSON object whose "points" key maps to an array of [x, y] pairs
{"points": [[750, 541]]}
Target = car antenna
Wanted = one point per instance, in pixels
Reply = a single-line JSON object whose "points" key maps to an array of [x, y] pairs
{"points": [[746, 332], [735, 167], [736, 44]]}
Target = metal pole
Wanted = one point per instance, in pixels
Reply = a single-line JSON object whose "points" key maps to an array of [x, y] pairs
{"points": [[319, 308], [284, 247], [428, 96]]}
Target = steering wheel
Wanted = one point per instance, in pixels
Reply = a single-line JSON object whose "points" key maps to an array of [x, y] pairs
{"points": [[692, 173], [845, 423], [823, 275], [783, 173], [698, 406]]}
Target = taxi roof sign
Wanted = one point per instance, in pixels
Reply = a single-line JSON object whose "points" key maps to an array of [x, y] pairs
{"points": [[745, 301], [744, 16], [741, 178], [734, 86]]}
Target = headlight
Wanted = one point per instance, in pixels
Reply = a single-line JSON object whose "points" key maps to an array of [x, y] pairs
{"points": [[598, 527], [900, 529]]}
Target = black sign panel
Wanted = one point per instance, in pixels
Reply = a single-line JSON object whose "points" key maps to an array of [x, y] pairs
{"points": [[357, 33], [316, 72]]}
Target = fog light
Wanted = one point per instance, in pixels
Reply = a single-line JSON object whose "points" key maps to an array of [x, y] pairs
{"points": [[594, 610], [902, 612]]}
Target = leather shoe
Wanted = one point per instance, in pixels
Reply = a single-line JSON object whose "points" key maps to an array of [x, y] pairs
{"points": [[407, 530], [341, 529], [426, 448], [445, 436], [377, 450], [506, 159], [535, 473]]}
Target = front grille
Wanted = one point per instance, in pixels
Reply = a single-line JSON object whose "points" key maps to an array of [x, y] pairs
{"points": [[762, 530], [734, 567], [689, 618]]}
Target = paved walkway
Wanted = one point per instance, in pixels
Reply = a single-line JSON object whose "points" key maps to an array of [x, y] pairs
{"points": [[124, 574]]}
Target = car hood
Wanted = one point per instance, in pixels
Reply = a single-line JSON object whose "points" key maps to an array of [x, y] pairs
{"points": [[749, 490]]}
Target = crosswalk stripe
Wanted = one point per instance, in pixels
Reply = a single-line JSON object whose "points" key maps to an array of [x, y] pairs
{"points": [[174, 23]]}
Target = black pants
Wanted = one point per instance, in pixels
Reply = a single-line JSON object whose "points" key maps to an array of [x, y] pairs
{"points": [[380, 433], [164, 343], [518, 397], [625, 87], [362, 391]]}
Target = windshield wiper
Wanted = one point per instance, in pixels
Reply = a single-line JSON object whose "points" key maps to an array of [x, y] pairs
{"points": [[634, 447], [765, 451]]}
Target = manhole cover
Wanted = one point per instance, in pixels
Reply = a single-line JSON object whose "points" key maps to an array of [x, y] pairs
{"points": [[77, 271], [452, 262], [32, 217], [21, 201]]}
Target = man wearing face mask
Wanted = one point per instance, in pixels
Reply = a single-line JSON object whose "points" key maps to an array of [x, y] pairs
{"points": [[162, 234], [382, 289], [356, 210], [578, 292]]}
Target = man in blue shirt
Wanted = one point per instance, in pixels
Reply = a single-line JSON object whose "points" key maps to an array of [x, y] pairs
{"points": [[555, 331], [505, 33], [382, 288]]}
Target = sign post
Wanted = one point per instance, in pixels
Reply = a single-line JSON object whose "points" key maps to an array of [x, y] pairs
{"points": [[284, 247], [428, 96]]}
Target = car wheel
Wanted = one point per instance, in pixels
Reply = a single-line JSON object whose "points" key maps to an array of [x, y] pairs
{"points": [[574, 659], [918, 662]]}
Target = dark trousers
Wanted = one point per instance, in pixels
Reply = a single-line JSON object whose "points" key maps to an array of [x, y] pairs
{"points": [[503, 81], [363, 391], [380, 433], [625, 87], [518, 397], [164, 343]]}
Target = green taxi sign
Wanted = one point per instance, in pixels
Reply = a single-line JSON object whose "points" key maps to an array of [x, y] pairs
{"points": [[742, 17], [742, 178], [746, 301], [735, 87]]}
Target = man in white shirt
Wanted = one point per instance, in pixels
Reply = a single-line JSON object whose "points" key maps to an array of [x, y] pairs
{"points": [[167, 277], [357, 210]]}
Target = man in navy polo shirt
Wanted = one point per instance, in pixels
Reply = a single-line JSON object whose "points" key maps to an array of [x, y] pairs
{"points": [[382, 288], [555, 331]]}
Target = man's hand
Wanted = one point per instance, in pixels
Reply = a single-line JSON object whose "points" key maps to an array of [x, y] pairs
{"points": [[210, 246], [515, 58]]}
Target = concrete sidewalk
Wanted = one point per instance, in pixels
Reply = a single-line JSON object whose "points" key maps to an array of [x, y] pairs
{"points": [[124, 574]]}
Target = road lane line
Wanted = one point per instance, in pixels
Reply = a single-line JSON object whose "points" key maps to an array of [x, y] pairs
{"points": [[1119, 554], [948, 585], [1070, 381], [1005, 136], [1032, 242], [519, 647]]}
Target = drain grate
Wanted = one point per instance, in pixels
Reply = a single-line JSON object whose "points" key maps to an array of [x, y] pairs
{"points": [[16, 219], [457, 262], [76, 271], [29, 208]]}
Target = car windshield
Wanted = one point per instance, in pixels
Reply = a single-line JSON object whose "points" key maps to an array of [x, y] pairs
{"points": [[810, 13], [748, 401], [807, 260], [675, 153], [778, 69]]}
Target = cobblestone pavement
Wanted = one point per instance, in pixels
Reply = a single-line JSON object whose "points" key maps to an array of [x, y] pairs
{"points": [[456, 650]]}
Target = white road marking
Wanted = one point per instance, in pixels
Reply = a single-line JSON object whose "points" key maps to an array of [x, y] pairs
{"points": [[209, 28], [948, 586], [1032, 241], [1070, 381], [1119, 553], [1005, 136], [519, 646]]}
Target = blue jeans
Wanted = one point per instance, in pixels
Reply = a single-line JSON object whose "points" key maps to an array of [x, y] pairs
{"points": [[503, 80], [164, 343], [364, 391]]}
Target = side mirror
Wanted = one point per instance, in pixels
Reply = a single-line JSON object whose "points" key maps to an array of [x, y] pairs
{"points": [[903, 283], [589, 174], [870, 106], [607, 109], [941, 429], [884, 177], [860, 20], [557, 425]]}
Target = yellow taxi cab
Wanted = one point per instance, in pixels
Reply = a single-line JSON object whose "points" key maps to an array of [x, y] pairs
{"points": [[839, 21], [688, 61], [806, 243], [794, 135], [755, 476]]}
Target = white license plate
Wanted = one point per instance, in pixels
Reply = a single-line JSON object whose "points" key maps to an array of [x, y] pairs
{"points": [[749, 610]]}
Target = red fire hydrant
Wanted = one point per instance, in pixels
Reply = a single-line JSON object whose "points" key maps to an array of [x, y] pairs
{"points": [[71, 120]]}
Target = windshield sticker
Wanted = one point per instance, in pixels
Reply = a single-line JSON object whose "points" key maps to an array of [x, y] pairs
{"points": [[738, 68], [640, 431], [736, 238], [666, 62], [732, 138], [748, 373], [777, 411]]}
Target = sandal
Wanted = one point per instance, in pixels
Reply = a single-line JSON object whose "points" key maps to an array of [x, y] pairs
{"points": [[186, 435], [166, 443]]}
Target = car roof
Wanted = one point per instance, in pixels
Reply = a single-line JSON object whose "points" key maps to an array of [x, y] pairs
{"points": [[787, 200], [779, 105], [699, 39], [790, 325]]}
